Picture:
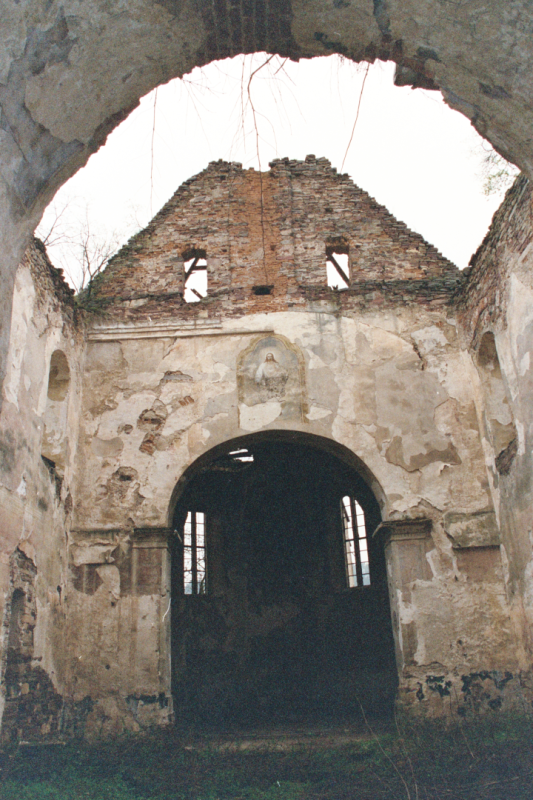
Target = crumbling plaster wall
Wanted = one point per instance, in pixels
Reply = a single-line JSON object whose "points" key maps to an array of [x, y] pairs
{"points": [[35, 500], [380, 368], [393, 387], [498, 299], [119, 630], [70, 72]]}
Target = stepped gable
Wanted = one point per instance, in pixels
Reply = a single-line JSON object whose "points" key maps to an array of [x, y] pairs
{"points": [[269, 228]]}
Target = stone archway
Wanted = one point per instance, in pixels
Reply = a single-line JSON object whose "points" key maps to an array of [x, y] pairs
{"points": [[280, 609], [70, 74]]}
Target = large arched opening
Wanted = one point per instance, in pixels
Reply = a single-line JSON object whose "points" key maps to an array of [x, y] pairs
{"points": [[71, 74], [280, 609]]}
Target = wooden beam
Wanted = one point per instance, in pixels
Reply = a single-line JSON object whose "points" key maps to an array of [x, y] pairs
{"points": [[339, 269], [193, 266]]}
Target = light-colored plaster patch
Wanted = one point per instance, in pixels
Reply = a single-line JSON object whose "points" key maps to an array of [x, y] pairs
{"points": [[253, 418], [317, 412]]}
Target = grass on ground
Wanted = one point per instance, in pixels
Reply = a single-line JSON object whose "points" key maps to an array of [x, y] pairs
{"points": [[490, 758]]}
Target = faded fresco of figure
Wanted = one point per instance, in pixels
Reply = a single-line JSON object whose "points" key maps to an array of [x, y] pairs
{"points": [[271, 377]]}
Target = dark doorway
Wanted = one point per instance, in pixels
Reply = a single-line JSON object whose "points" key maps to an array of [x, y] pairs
{"points": [[280, 601]]}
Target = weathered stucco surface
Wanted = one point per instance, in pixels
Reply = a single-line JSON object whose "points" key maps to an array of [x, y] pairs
{"points": [[70, 72], [416, 373], [365, 387], [496, 310], [35, 498]]}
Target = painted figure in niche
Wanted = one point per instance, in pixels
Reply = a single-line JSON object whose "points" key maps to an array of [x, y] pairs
{"points": [[271, 382], [271, 377]]}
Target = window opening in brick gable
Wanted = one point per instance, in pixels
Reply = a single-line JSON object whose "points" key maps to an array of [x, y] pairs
{"points": [[337, 267], [355, 543], [194, 562], [195, 276]]}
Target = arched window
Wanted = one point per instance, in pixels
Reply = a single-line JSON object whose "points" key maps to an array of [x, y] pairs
{"points": [[54, 441], [355, 543], [18, 601], [499, 420], [194, 561], [58, 377]]}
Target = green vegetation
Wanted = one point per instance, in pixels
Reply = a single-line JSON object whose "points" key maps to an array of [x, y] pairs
{"points": [[492, 758]]}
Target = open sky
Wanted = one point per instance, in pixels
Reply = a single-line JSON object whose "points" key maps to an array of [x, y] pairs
{"points": [[416, 156]]}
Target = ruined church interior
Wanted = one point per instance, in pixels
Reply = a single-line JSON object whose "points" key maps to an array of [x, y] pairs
{"points": [[273, 464], [270, 465]]}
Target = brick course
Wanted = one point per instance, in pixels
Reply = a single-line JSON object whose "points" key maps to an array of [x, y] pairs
{"points": [[483, 302], [272, 229]]}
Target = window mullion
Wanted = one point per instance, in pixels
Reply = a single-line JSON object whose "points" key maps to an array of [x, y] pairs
{"points": [[193, 554], [358, 568]]}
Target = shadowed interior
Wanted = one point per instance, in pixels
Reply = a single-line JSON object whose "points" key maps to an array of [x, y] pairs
{"points": [[278, 636]]}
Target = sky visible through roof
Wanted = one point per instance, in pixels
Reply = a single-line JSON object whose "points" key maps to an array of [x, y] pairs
{"points": [[410, 151]]}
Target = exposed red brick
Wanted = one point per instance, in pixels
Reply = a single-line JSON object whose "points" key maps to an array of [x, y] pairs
{"points": [[483, 303], [272, 229]]}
